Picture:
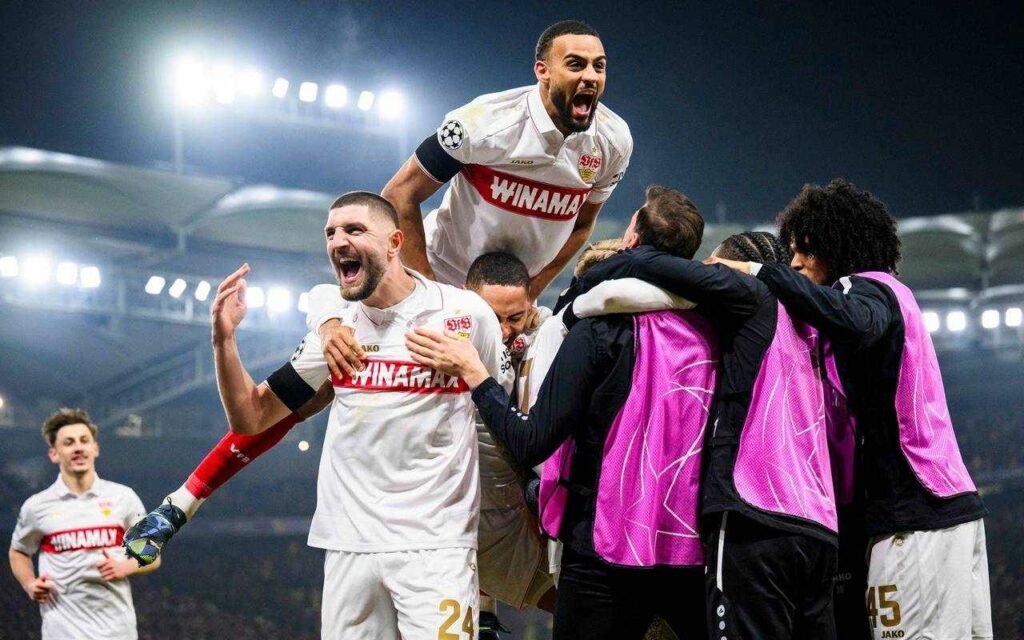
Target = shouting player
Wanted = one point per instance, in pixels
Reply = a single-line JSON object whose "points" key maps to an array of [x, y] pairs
{"points": [[397, 493], [529, 168], [76, 525]]}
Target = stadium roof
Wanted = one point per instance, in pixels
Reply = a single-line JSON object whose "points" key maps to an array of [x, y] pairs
{"points": [[967, 250], [135, 221]]}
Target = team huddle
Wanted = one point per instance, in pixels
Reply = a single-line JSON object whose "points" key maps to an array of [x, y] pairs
{"points": [[751, 444]]}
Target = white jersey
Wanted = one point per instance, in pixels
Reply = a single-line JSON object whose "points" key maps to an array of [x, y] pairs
{"points": [[520, 182], [500, 481], [70, 533], [399, 465]]}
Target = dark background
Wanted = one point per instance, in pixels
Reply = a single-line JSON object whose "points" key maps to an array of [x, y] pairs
{"points": [[737, 104]]}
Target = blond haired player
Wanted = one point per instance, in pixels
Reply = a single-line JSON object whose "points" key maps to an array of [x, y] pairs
{"points": [[76, 525]]}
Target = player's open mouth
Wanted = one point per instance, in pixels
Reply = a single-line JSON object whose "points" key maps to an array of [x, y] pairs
{"points": [[349, 270], [583, 104]]}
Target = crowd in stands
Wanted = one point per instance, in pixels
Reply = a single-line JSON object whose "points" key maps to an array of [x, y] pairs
{"points": [[269, 586]]}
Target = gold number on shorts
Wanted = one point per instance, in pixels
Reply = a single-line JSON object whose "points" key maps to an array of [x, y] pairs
{"points": [[872, 608], [885, 602], [448, 605]]}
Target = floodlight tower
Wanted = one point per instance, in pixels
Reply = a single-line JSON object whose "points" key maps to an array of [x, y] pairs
{"points": [[305, 103]]}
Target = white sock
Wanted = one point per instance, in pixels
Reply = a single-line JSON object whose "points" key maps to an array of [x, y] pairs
{"points": [[184, 500]]}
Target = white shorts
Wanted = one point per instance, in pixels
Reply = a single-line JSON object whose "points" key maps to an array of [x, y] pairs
{"points": [[400, 595], [513, 557], [930, 585]]}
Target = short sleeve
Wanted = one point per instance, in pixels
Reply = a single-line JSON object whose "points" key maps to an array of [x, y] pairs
{"points": [[608, 180], [324, 303], [443, 154], [298, 380], [27, 535], [135, 510]]}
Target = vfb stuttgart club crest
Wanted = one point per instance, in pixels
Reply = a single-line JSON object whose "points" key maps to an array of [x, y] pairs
{"points": [[460, 325], [588, 167]]}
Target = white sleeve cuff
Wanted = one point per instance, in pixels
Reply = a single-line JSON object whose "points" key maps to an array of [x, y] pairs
{"points": [[755, 268], [627, 295]]}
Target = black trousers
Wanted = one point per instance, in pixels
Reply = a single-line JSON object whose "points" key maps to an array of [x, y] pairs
{"points": [[596, 600], [852, 576], [766, 583]]}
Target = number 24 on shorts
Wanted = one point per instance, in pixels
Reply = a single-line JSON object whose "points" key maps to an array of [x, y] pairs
{"points": [[444, 631], [886, 603]]}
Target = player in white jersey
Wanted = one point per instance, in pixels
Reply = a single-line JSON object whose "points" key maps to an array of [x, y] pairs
{"points": [[529, 168], [76, 525], [398, 492]]}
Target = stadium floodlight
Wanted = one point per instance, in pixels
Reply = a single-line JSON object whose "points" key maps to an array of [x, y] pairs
{"points": [[303, 302], [365, 102], [8, 266], [956, 321], [990, 318], [303, 445], [1013, 317], [254, 297], [202, 291], [391, 105], [307, 91], [250, 83], [1, 402], [931, 321], [190, 82], [177, 288], [280, 89], [279, 299], [155, 285], [336, 96], [37, 269], [67, 273], [89, 277], [223, 80]]}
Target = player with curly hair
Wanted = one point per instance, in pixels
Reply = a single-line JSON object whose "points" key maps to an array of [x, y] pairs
{"points": [[928, 567]]}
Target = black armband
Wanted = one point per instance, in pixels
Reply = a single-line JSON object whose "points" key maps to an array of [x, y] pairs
{"points": [[435, 160]]}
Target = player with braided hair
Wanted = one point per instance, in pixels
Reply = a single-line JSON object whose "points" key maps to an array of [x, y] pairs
{"points": [[928, 566], [754, 246], [768, 502]]}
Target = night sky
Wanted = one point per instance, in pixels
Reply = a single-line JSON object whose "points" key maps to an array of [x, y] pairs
{"points": [[736, 104]]}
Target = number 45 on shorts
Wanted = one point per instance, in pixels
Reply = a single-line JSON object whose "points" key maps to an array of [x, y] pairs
{"points": [[886, 609], [454, 611]]}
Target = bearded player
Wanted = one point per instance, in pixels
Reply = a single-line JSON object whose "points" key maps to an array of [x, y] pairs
{"points": [[397, 492]]}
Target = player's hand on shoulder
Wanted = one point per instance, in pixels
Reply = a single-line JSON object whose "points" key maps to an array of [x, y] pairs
{"points": [[342, 351], [228, 308], [735, 265], [42, 589]]}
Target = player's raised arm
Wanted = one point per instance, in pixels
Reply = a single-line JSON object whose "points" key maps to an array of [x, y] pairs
{"points": [[580, 234], [406, 190], [249, 408]]}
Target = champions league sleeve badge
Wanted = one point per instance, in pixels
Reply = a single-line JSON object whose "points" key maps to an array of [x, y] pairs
{"points": [[588, 167], [451, 134]]}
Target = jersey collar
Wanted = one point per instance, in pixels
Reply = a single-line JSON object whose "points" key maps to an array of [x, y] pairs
{"points": [[62, 490], [434, 300], [546, 126]]}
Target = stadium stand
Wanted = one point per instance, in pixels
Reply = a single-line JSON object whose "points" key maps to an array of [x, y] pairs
{"points": [[141, 364]]}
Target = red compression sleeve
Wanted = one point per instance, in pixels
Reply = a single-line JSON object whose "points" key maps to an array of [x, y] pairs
{"points": [[232, 454]]}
